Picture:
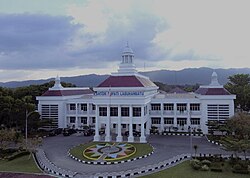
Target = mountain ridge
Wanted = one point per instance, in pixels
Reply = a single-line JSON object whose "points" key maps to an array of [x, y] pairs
{"points": [[191, 76]]}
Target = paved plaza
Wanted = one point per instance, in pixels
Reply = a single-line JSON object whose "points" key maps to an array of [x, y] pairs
{"points": [[166, 147]]}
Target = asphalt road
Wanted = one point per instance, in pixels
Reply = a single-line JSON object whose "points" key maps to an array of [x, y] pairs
{"points": [[166, 147]]}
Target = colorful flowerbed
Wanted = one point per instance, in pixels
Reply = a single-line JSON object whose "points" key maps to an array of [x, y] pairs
{"points": [[109, 151]]}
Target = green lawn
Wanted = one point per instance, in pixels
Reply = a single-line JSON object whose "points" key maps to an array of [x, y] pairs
{"points": [[141, 149], [21, 164], [184, 170]]}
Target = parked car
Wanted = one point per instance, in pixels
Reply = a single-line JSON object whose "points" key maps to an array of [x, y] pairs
{"points": [[67, 132], [135, 133], [55, 132], [154, 130], [88, 132]]}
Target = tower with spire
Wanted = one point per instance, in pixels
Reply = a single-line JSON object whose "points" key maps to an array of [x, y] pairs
{"points": [[127, 65], [57, 85]]}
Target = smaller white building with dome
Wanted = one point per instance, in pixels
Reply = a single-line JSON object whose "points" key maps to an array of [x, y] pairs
{"points": [[128, 102]]}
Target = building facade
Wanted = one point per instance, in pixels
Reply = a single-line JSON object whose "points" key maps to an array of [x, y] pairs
{"points": [[127, 101]]}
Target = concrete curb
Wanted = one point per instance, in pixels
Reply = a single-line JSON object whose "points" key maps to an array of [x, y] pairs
{"points": [[145, 169], [109, 163], [51, 167], [179, 134], [211, 141]]}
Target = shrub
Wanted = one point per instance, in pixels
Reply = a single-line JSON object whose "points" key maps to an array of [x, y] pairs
{"points": [[196, 164], [241, 169], [205, 168], [6, 152], [17, 155], [206, 162]]}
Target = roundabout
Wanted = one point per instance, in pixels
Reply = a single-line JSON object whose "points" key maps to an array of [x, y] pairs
{"points": [[109, 151], [67, 153]]}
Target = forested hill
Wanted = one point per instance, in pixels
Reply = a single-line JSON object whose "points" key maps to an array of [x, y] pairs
{"points": [[189, 76]]}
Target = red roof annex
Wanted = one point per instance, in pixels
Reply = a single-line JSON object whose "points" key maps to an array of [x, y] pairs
{"points": [[67, 92], [212, 91], [126, 81]]}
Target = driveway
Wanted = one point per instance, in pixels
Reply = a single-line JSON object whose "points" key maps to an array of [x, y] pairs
{"points": [[166, 147]]}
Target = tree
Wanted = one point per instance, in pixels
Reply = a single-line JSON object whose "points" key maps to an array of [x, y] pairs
{"points": [[239, 139], [239, 85]]}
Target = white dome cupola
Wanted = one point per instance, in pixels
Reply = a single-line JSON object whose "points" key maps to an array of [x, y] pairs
{"points": [[57, 85], [127, 65], [214, 79], [127, 55]]}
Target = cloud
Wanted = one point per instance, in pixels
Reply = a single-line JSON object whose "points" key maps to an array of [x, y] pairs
{"points": [[35, 41], [139, 28], [90, 35]]}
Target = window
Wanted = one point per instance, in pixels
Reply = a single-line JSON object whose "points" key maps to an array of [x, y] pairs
{"points": [[181, 121], [114, 126], [194, 107], [218, 112], [156, 120], [72, 120], [155, 107], [84, 107], [136, 111], [124, 126], [168, 106], [93, 107], [49, 112], [195, 121], [125, 111], [113, 111], [72, 107], [84, 120], [102, 111], [169, 120], [181, 107], [93, 120]]}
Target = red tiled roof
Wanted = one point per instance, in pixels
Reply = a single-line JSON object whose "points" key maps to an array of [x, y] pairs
{"points": [[67, 92], [126, 81], [212, 91]]}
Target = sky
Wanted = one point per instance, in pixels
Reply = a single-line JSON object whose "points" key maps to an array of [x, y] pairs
{"points": [[43, 38]]}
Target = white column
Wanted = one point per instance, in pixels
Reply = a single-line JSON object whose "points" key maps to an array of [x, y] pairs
{"points": [[188, 115], [97, 136], [131, 137], [119, 128], [65, 124], [76, 116], [148, 123], [175, 115], [88, 117], [142, 138], [162, 119], [107, 130]]}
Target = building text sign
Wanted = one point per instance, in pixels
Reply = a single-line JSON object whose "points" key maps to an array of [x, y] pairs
{"points": [[119, 93]]}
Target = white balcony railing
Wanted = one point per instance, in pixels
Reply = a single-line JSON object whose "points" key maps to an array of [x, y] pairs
{"points": [[165, 112], [155, 112]]}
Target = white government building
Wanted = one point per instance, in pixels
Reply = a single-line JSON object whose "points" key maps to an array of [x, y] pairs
{"points": [[128, 101]]}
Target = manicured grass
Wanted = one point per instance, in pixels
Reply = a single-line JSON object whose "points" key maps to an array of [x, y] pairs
{"points": [[184, 170], [141, 149], [21, 164]]}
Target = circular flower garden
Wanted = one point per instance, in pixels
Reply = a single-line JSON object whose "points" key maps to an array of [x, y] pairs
{"points": [[109, 151]]}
